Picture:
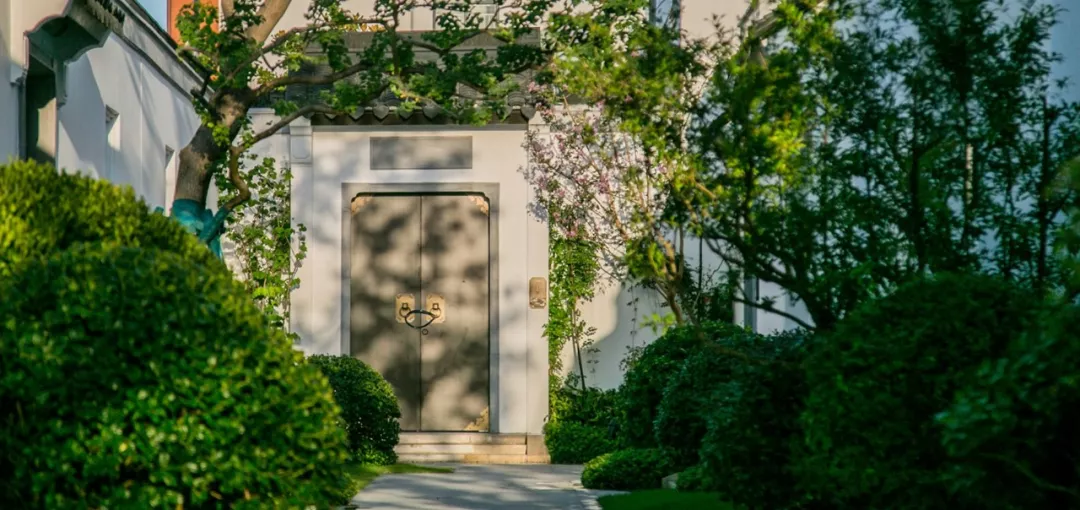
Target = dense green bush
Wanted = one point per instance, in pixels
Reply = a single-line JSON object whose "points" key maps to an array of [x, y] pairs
{"points": [[752, 425], [582, 425], [687, 398], [643, 388], [630, 469], [694, 479], [132, 378], [1011, 433], [369, 408], [571, 442], [878, 380], [591, 406], [43, 211]]}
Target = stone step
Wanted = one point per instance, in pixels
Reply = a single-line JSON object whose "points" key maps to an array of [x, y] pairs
{"points": [[489, 449], [471, 448], [459, 438], [472, 458], [506, 459], [431, 458]]}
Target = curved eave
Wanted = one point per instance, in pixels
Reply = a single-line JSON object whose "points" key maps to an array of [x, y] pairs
{"points": [[392, 116]]}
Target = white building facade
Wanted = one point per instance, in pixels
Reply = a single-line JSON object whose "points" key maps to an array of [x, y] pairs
{"points": [[94, 86]]}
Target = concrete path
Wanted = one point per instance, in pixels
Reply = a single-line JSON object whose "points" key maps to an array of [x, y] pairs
{"points": [[483, 487]]}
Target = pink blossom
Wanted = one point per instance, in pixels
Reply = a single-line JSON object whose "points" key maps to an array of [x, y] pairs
{"points": [[604, 186]]}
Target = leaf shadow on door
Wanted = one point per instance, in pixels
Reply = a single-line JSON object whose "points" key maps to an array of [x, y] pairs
{"points": [[442, 378], [383, 263]]}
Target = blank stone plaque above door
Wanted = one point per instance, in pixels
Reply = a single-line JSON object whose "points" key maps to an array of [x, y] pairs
{"points": [[421, 152]]}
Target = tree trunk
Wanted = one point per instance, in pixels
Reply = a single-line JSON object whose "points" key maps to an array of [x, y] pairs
{"points": [[200, 159], [1044, 216], [197, 160], [195, 175]]}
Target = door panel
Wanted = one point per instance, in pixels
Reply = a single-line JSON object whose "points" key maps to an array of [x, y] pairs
{"points": [[385, 263], [455, 351]]}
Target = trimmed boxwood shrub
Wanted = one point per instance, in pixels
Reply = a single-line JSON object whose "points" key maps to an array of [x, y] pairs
{"points": [[878, 380], [576, 443], [43, 211], [643, 388], [752, 425], [1011, 434], [625, 470], [687, 398], [369, 408], [132, 378]]}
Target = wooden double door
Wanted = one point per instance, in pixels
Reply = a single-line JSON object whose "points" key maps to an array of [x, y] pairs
{"points": [[420, 304]]}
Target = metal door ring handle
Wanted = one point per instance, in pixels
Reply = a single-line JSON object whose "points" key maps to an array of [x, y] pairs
{"points": [[408, 318]]}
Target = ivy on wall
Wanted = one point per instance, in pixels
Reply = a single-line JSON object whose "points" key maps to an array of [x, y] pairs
{"points": [[265, 258], [574, 268]]}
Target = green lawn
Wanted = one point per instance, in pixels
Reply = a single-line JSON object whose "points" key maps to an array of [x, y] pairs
{"points": [[363, 474], [662, 499]]}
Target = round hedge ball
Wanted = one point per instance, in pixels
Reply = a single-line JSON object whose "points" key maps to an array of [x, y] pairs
{"points": [[44, 211], [627, 470], [132, 378], [369, 408]]}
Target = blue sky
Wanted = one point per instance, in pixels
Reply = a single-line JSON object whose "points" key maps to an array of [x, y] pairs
{"points": [[156, 8]]}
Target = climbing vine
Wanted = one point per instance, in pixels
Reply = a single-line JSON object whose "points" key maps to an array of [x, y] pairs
{"points": [[262, 230], [574, 267]]}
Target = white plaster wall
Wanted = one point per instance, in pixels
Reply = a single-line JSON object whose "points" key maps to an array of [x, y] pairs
{"points": [[153, 115], [417, 19], [698, 15], [341, 156], [24, 16], [618, 313]]}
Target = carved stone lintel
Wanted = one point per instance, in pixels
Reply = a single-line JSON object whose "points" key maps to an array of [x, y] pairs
{"points": [[481, 202], [359, 201], [481, 424]]}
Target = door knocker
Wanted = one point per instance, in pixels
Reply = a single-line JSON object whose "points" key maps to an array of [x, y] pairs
{"points": [[434, 314]]}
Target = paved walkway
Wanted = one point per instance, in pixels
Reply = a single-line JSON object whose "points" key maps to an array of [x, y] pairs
{"points": [[482, 487]]}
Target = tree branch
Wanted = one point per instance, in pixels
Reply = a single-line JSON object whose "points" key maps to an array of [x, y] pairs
{"points": [[284, 37], [771, 309], [442, 52], [311, 79], [285, 121], [271, 13], [1031, 476], [243, 193]]}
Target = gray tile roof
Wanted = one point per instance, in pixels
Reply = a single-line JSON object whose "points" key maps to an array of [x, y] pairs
{"points": [[385, 110]]}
